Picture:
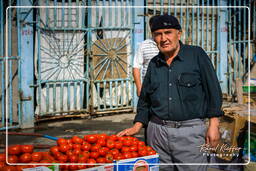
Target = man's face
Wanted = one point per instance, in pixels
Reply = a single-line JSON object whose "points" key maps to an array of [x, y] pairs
{"points": [[167, 40]]}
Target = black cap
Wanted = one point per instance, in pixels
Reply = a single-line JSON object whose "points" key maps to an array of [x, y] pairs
{"points": [[164, 22]]}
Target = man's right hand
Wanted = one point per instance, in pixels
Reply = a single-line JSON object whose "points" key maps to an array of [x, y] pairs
{"points": [[131, 131]]}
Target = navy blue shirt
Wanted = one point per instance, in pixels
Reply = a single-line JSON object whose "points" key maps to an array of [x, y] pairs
{"points": [[187, 89]]}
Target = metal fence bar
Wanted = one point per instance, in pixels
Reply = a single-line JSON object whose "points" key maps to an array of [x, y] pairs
{"points": [[47, 98], [104, 94], [75, 95], [202, 22], [213, 31], [116, 94], [54, 97], [198, 23], [2, 62], [55, 14], [175, 9], [110, 95], [68, 94]]}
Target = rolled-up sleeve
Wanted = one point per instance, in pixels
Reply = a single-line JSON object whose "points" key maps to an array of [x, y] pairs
{"points": [[211, 85], [144, 102]]}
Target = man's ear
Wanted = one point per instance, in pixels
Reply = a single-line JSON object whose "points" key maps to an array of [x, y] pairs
{"points": [[179, 34]]}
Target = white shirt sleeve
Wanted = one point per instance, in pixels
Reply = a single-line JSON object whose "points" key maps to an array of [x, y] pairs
{"points": [[138, 58]]}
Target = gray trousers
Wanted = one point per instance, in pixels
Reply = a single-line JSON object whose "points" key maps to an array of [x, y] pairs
{"points": [[178, 145]]}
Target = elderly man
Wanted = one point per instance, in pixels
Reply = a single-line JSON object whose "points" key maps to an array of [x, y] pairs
{"points": [[179, 91]]}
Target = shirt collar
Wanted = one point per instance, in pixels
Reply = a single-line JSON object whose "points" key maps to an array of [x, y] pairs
{"points": [[161, 58]]}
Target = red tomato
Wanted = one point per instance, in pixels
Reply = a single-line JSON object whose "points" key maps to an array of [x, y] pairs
{"points": [[114, 152], [69, 141], [85, 154], [113, 137], [94, 155], [20, 168], [119, 157], [9, 168], [2, 157], [64, 167], [127, 142], [25, 158], [118, 144], [14, 149], [103, 151], [101, 142], [12, 159], [69, 153], [72, 167], [120, 138], [86, 146], [110, 144], [143, 153], [95, 147], [134, 154], [141, 143], [127, 155], [63, 158], [77, 140], [27, 148], [36, 156], [63, 148], [82, 159], [73, 159], [125, 149], [54, 149], [91, 138], [80, 167], [133, 148], [149, 148], [135, 143], [101, 160], [102, 136], [61, 141], [77, 146], [76, 151], [109, 158], [151, 152], [2, 164], [91, 162]]}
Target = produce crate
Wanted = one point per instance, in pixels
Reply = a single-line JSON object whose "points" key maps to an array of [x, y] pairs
{"points": [[100, 168], [43, 168], [147, 163]]}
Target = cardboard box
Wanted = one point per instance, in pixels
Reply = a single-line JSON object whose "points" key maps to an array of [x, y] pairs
{"points": [[109, 167], [147, 163]]}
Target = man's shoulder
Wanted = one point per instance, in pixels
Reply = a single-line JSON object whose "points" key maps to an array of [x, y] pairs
{"points": [[192, 47]]}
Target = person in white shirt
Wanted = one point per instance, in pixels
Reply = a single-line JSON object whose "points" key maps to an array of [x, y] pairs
{"points": [[145, 52]]}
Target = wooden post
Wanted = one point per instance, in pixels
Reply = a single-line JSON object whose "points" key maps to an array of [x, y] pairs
{"points": [[239, 90]]}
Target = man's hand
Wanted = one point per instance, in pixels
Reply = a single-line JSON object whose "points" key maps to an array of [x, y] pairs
{"points": [[213, 134], [131, 131]]}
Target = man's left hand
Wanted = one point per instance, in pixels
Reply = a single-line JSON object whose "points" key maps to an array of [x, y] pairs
{"points": [[213, 134]]}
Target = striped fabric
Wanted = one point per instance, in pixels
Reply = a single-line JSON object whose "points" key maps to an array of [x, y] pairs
{"points": [[145, 52]]}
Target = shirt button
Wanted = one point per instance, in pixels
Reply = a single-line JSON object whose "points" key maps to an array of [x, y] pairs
{"points": [[170, 84], [170, 98], [170, 70]]}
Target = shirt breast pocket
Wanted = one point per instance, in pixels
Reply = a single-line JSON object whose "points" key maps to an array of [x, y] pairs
{"points": [[189, 86], [153, 93]]}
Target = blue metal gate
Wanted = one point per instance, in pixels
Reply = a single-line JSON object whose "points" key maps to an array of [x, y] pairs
{"points": [[84, 56]]}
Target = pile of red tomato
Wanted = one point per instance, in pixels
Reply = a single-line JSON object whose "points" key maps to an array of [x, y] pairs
{"points": [[91, 149]]}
